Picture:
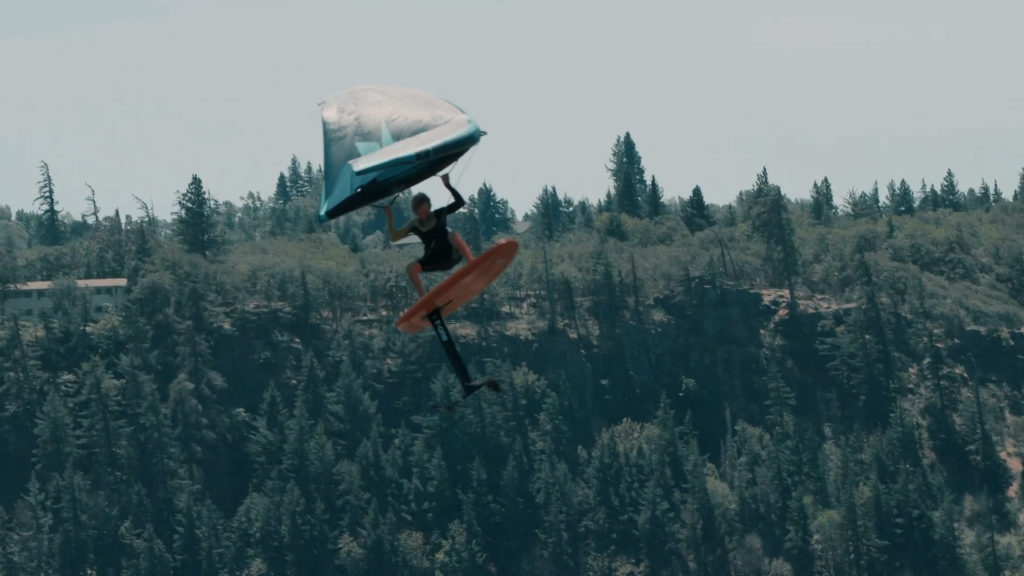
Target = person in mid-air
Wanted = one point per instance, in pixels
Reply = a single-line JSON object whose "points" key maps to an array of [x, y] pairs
{"points": [[442, 248]]}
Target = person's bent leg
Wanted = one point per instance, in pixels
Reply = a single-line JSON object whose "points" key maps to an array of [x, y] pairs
{"points": [[414, 270], [461, 245]]}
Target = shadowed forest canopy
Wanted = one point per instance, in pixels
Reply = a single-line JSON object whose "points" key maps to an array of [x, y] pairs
{"points": [[827, 385]]}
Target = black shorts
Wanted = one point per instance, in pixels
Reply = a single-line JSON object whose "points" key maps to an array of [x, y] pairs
{"points": [[443, 257]]}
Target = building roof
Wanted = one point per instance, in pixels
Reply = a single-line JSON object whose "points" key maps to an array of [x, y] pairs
{"points": [[91, 283]]}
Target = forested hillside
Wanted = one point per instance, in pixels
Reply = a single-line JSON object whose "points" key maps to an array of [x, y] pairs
{"points": [[781, 385]]}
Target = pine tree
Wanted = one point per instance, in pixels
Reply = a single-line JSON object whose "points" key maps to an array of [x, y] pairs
{"points": [[654, 204], [606, 303], [50, 233], [771, 223], [1018, 194], [267, 438], [985, 196], [972, 201], [863, 204], [823, 206], [102, 433], [900, 201], [993, 475], [493, 213], [197, 535], [144, 552], [459, 555], [107, 256], [628, 178], [874, 201], [70, 499], [903, 501], [310, 180], [55, 447], [582, 213], [906, 198], [947, 554], [138, 249], [779, 400], [708, 543], [10, 272], [33, 546], [549, 213], [852, 205], [282, 193], [571, 216], [697, 217], [468, 223], [296, 182], [157, 462], [92, 212], [196, 219], [730, 219], [798, 546], [949, 190], [929, 199], [934, 199], [922, 197], [997, 194]]}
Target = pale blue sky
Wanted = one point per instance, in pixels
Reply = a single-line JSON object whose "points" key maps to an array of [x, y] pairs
{"points": [[133, 96]]}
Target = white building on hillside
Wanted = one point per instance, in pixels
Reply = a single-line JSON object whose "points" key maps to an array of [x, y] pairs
{"points": [[26, 300]]}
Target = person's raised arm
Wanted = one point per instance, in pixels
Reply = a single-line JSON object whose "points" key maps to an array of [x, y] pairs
{"points": [[399, 233], [458, 202]]}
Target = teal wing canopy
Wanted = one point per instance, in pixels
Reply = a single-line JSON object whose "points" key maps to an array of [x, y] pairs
{"points": [[380, 140]]}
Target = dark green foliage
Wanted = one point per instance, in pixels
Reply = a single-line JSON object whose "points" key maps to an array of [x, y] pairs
{"points": [[311, 179], [106, 248], [665, 412], [49, 232], [92, 212], [629, 183], [654, 199], [282, 191], [730, 218], [606, 204], [769, 220], [949, 191], [552, 215], [984, 201], [196, 219], [1014, 277], [697, 216], [900, 199], [1018, 193], [298, 185], [928, 198], [863, 204], [9, 273], [823, 205], [492, 212]]}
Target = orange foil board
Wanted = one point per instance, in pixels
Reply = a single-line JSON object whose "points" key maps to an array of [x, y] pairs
{"points": [[461, 287]]}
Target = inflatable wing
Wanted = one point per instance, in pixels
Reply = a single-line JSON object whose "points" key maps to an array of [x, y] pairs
{"points": [[380, 140]]}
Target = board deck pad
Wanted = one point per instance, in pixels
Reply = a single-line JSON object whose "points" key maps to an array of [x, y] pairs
{"points": [[461, 287]]}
